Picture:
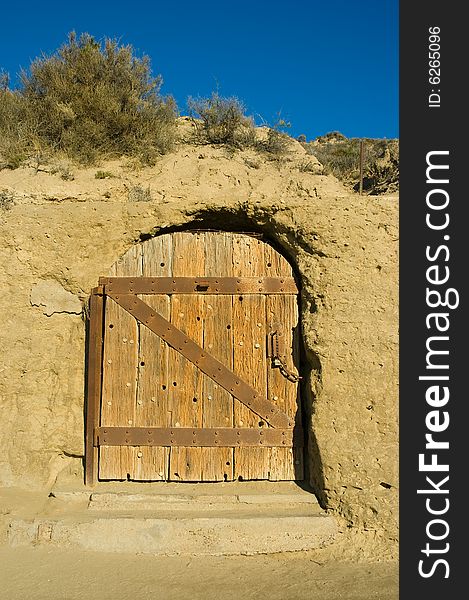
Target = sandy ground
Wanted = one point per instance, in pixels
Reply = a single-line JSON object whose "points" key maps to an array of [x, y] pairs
{"points": [[42, 574]]}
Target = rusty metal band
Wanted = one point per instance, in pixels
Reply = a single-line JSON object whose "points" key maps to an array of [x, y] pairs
{"points": [[199, 285], [202, 437], [209, 365]]}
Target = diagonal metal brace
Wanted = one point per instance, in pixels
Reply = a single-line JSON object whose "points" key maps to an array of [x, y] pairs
{"points": [[208, 364]]}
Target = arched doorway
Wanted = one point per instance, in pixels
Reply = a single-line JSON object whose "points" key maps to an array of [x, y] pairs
{"points": [[193, 363]]}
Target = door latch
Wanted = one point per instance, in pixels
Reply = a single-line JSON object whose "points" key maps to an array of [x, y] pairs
{"points": [[276, 353]]}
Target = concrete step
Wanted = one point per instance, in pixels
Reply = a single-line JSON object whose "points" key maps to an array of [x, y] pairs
{"points": [[169, 522]]}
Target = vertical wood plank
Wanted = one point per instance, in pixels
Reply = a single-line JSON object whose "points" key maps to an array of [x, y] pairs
{"points": [[249, 347], [285, 463], [217, 463], [120, 373], [93, 392], [185, 379], [152, 409]]}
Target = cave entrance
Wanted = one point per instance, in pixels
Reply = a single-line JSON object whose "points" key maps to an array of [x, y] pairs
{"points": [[193, 363]]}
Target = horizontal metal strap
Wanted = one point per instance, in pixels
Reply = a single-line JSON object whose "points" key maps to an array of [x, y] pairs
{"points": [[188, 436], [199, 285], [203, 360]]}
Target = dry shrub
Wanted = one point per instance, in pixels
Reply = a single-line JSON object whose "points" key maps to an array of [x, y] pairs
{"points": [[138, 193], [340, 156], [89, 100], [6, 200], [277, 142], [222, 121]]}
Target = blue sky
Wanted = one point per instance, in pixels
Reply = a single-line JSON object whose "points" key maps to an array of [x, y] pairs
{"points": [[325, 65]]}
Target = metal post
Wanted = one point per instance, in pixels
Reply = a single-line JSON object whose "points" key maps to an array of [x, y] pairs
{"points": [[362, 153]]}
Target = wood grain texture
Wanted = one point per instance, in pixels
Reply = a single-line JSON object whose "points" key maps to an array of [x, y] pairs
{"points": [[185, 379], [249, 355], [285, 463], [217, 463], [152, 409], [120, 373], [147, 383]]}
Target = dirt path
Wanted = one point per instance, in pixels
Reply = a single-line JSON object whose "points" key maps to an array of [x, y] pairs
{"points": [[42, 574]]}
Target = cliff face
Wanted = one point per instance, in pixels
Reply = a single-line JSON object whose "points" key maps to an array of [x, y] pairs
{"points": [[61, 231]]}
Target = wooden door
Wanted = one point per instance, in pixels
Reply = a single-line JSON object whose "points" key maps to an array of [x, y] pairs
{"points": [[216, 397]]}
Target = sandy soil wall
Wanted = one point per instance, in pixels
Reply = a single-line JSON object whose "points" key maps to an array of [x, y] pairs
{"points": [[57, 236]]}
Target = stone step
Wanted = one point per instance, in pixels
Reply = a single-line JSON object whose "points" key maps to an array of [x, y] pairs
{"points": [[214, 535], [147, 502], [173, 520]]}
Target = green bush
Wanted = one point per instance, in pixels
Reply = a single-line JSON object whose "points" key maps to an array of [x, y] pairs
{"points": [[222, 121], [89, 100]]}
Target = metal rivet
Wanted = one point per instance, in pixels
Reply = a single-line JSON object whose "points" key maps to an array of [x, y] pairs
{"points": [[129, 421], [109, 403], [139, 454], [257, 345]]}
